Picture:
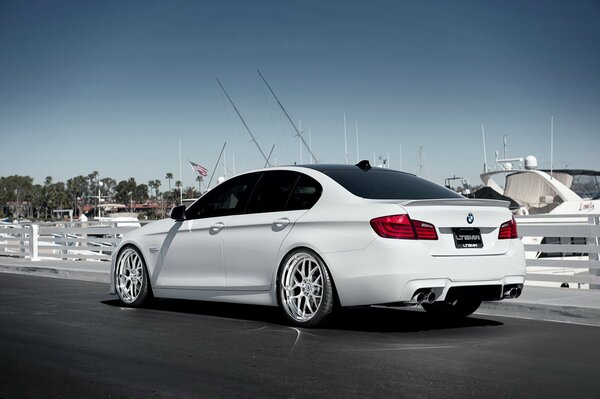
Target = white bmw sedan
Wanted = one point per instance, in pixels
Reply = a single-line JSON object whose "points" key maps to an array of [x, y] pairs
{"points": [[311, 238]]}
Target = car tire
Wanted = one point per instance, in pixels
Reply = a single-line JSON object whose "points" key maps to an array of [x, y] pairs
{"points": [[304, 289], [131, 278], [456, 309]]}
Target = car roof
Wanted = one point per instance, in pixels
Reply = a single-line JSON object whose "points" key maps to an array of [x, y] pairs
{"points": [[341, 167]]}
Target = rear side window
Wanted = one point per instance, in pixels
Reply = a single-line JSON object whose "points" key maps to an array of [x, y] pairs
{"points": [[306, 193], [272, 191], [388, 184], [283, 191]]}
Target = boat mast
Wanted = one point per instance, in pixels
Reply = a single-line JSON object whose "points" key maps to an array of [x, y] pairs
{"points": [[421, 160], [245, 124], [551, 144], [216, 166], [310, 145], [485, 167], [357, 152], [298, 132], [300, 141], [345, 140]]}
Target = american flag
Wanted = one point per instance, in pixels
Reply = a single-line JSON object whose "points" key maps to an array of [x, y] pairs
{"points": [[202, 171]]}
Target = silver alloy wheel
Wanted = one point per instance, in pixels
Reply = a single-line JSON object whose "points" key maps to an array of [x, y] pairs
{"points": [[129, 276], [302, 286]]}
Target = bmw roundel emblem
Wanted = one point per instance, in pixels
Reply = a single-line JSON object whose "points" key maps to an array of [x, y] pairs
{"points": [[470, 218]]}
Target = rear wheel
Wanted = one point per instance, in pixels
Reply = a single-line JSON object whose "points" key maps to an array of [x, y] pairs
{"points": [[305, 291], [131, 278], [455, 309]]}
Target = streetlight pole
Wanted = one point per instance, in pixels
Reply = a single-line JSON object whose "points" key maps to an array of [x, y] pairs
{"points": [[100, 184]]}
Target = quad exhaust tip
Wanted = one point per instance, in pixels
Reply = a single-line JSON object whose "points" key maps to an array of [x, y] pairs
{"points": [[424, 297], [419, 298], [512, 293]]}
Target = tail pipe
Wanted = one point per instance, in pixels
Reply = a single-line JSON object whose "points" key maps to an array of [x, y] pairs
{"points": [[419, 298], [427, 295], [512, 291], [430, 298]]}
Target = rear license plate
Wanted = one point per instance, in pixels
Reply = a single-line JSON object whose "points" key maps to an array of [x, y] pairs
{"points": [[467, 238]]}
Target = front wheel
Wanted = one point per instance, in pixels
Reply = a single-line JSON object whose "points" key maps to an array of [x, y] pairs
{"points": [[131, 278], [305, 291], [455, 309]]}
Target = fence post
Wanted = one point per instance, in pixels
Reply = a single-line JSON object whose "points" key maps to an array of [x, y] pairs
{"points": [[33, 242], [22, 249], [594, 256]]}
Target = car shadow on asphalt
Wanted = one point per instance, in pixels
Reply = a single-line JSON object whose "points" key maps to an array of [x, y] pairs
{"points": [[381, 319], [366, 319]]}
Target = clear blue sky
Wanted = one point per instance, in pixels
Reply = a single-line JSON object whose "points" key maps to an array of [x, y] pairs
{"points": [[113, 85]]}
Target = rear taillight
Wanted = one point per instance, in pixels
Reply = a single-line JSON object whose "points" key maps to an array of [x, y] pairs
{"points": [[402, 227], [508, 230]]}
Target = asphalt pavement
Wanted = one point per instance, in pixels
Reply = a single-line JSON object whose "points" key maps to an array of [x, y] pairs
{"points": [[70, 339], [539, 303]]}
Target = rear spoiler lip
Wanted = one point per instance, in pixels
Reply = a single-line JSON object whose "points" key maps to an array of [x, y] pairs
{"points": [[456, 202]]}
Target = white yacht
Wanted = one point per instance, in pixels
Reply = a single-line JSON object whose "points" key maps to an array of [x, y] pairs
{"points": [[561, 191]]}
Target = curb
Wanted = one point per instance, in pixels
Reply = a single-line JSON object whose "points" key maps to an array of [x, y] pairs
{"points": [[535, 311], [97, 276]]}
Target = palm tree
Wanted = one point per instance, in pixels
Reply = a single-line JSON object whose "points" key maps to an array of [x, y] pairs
{"points": [[190, 192], [169, 177], [177, 192], [156, 186], [151, 185]]}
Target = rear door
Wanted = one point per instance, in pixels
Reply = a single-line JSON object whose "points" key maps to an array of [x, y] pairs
{"points": [[253, 239]]}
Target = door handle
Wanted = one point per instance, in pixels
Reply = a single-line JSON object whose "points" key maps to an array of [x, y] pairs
{"points": [[280, 224], [216, 228]]}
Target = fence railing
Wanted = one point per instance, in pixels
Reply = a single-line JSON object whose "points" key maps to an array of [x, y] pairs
{"points": [[93, 241], [559, 248], [562, 248]]}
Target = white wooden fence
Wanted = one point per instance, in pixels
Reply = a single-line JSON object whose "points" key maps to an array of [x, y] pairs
{"points": [[562, 248], [571, 256], [93, 241]]}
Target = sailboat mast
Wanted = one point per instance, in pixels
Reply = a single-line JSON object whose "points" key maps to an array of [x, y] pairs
{"points": [[310, 145], [216, 166], [245, 124], [345, 140], [298, 132], [420, 160], [300, 141], [357, 152], [485, 167], [551, 144]]}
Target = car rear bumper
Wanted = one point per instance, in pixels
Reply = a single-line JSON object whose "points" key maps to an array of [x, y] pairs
{"points": [[393, 271]]}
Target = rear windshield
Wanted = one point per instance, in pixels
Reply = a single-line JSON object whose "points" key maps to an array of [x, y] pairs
{"points": [[388, 184]]}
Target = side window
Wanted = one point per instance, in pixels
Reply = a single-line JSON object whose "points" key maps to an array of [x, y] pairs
{"points": [[305, 194], [228, 198], [272, 191]]}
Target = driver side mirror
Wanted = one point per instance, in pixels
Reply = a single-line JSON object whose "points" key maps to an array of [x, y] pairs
{"points": [[178, 213]]}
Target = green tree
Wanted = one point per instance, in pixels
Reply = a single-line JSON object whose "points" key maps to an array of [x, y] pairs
{"points": [[77, 190], [141, 193], [15, 194], [151, 185], [124, 191], [190, 192], [156, 186], [169, 177]]}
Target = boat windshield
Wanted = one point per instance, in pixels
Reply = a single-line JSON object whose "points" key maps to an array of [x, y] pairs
{"points": [[586, 186]]}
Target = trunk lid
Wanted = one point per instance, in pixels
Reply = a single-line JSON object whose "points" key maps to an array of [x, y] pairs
{"points": [[457, 223]]}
